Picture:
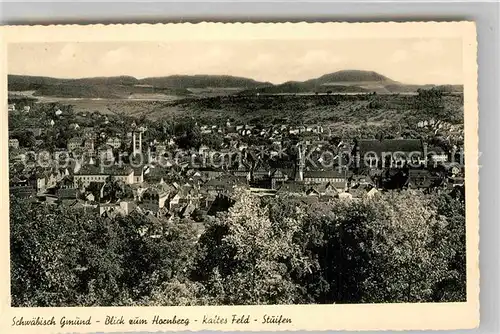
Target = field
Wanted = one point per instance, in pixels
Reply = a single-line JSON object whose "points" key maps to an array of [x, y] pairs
{"points": [[344, 112], [275, 109]]}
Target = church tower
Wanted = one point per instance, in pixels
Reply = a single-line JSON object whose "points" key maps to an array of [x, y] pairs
{"points": [[301, 164], [137, 142]]}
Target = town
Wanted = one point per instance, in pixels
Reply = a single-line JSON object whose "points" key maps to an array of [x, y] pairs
{"points": [[115, 165]]}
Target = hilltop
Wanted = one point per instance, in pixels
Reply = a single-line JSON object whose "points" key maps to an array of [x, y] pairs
{"points": [[345, 81], [181, 86], [125, 86], [203, 81]]}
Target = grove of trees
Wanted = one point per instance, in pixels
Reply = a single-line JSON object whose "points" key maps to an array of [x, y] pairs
{"points": [[396, 247]]}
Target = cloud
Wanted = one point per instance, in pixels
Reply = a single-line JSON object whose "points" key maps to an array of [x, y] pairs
{"points": [[399, 56], [314, 57], [68, 52], [116, 56], [446, 75], [429, 47]]}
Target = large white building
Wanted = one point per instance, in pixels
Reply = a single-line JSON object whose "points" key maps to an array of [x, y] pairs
{"points": [[92, 173]]}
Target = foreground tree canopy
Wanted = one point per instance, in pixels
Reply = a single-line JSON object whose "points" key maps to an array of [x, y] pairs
{"points": [[397, 247]]}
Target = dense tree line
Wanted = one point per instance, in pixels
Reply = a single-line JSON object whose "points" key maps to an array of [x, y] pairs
{"points": [[397, 247]]}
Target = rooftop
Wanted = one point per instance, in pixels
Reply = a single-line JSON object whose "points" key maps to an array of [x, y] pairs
{"points": [[389, 146], [105, 170]]}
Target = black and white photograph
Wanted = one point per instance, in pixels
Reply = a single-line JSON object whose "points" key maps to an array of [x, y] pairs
{"points": [[237, 172]]}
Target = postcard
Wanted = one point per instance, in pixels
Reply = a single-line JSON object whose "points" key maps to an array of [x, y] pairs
{"points": [[239, 177]]}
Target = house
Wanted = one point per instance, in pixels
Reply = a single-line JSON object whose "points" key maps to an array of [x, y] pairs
{"points": [[243, 170], [187, 211], [437, 155], [67, 193], [38, 180], [126, 207], [223, 185], [278, 177], [109, 209], [14, 143], [90, 197], [372, 192], [338, 179], [74, 143], [21, 188], [92, 173], [89, 146], [344, 195], [154, 198], [328, 189], [37, 132], [94, 191], [374, 153], [175, 201], [209, 172], [160, 149], [105, 152], [422, 179], [51, 180], [138, 175], [114, 142], [291, 188]]}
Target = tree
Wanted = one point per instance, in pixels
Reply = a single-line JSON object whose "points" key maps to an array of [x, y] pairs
{"points": [[247, 259], [188, 134], [431, 102], [407, 255], [25, 138], [114, 189], [44, 255], [156, 253], [212, 140], [453, 286], [393, 248]]}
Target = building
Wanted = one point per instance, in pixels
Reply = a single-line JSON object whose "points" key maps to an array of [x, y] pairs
{"points": [[388, 153], [154, 199], [74, 143], [137, 141], [278, 177], [437, 155], [114, 142], [14, 143], [88, 132], [105, 152], [89, 146], [421, 179], [36, 131], [39, 181], [337, 179], [139, 175], [91, 173]]}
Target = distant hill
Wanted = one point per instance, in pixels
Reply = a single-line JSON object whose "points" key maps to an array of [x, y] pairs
{"points": [[124, 86], [350, 76], [202, 81], [25, 82], [294, 87], [346, 81]]}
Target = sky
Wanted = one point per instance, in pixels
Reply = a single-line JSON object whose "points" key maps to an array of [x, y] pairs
{"points": [[410, 60]]}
